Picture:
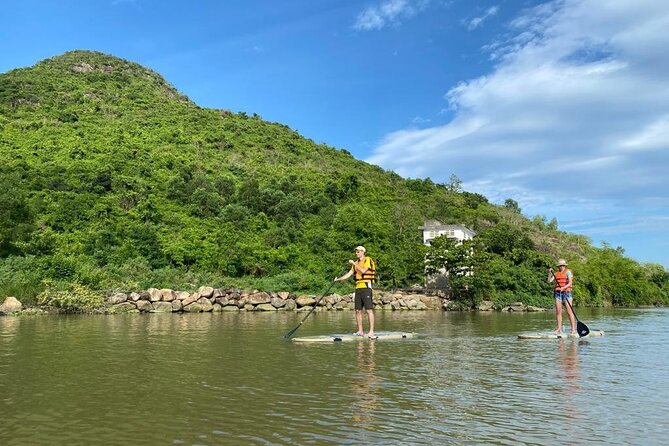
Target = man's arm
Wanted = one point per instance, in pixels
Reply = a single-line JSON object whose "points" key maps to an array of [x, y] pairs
{"points": [[364, 267], [345, 276]]}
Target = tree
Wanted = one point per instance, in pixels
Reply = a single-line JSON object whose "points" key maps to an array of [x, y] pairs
{"points": [[553, 224], [512, 205], [15, 216], [503, 238], [454, 184], [459, 261]]}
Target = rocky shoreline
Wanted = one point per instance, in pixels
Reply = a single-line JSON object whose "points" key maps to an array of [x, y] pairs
{"points": [[209, 299]]}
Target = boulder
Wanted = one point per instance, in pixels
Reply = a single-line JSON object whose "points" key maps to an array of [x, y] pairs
{"points": [[182, 295], [259, 298], [154, 294], [123, 307], [193, 308], [10, 305], [341, 305], [167, 295], [431, 302], [277, 302], [162, 307], [205, 304], [205, 291], [222, 301], [117, 298], [304, 301], [411, 303], [189, 300], [516, 306], [144, 305], [387, 298], [485, 305], [332, 299], [134, 296], [534, 309]]}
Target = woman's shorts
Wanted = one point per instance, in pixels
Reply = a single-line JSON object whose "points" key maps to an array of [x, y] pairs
{"points": [[562, 295]]}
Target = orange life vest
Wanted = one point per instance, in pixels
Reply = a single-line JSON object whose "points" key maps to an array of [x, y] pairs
{"points": [[561, 279]]}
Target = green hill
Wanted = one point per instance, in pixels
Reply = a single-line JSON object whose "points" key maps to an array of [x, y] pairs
{"points": [[112, 179]]}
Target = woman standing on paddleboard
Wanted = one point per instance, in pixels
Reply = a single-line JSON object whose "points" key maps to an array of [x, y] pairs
{"points": [[564, 280]]}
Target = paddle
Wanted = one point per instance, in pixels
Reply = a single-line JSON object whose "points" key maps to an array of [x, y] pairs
{"points": [[581, 328], [291, 332]]}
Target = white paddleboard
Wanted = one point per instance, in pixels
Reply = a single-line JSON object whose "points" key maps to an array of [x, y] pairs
{"points": [[558, 336], [379, 335]]}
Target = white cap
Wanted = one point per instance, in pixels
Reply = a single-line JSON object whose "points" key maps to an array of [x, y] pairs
{"points": [[562, 262], [360, 248]]}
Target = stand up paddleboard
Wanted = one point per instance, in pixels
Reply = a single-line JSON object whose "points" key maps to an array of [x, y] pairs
{"points": [[379, 336], [558, 336]]}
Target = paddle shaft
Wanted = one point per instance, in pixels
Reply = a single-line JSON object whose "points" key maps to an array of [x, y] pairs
{"points": [[291, 332]]}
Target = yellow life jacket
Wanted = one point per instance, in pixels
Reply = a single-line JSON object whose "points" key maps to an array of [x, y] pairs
{"points": [[368, 276]]}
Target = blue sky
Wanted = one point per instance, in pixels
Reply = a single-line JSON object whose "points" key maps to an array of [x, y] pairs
{"points": [[561, 105]]}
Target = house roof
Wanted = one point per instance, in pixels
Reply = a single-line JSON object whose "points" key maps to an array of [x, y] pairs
{"points": [[435, 225]]}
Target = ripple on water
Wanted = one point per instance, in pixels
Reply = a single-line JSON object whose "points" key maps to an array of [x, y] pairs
{"points": [[205, 379]]}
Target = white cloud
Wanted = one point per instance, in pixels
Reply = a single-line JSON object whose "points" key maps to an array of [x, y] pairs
{"points": [[654, 136], [418, 120], [387, 12], [574, 116], [476, 22]]}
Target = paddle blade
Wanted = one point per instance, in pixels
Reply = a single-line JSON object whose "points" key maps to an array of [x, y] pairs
{"points": [[582, 329], [291, 332]]}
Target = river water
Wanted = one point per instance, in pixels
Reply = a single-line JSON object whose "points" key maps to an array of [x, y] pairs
{"points": [[231, 379]]}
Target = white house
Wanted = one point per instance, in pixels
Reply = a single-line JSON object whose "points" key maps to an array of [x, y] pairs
{"points": [[433, 229]]}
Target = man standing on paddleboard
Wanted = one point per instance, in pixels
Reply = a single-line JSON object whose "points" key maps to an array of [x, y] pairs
{"points": [[364, 270], [564, 280]]}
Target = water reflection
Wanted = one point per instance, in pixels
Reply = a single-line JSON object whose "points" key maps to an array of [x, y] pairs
{"points": [[568, 352], [365, 385], [571, 386], [8, 326]]}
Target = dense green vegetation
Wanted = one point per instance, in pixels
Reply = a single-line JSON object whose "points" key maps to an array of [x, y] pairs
{"points": [[111, 179]]}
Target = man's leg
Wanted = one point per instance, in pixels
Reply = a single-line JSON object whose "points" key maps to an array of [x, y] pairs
{"points": [[370, 316], [358, 319]]}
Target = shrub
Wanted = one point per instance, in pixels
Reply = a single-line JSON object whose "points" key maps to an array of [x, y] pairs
{"points": [[74, 299]]}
